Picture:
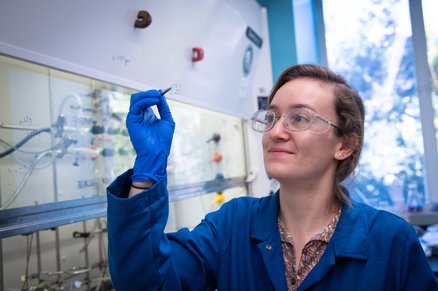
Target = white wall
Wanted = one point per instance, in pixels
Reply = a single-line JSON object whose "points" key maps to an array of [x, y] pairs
{"points": [[98, 39]]}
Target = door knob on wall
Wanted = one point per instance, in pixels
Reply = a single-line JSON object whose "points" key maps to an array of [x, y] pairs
{"points": [[144, 19]]}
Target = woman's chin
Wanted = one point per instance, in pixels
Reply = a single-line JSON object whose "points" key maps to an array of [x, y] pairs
{"points": [[279, 175]]}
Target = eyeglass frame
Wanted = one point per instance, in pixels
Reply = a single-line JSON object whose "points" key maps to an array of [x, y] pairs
{"points": [[313, 114]]}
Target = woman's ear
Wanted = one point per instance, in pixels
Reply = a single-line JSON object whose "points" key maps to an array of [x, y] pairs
{"points": [[346, 147]]}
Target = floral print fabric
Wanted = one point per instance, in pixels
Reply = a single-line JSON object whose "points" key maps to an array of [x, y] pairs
{"points": [[311, 253]]}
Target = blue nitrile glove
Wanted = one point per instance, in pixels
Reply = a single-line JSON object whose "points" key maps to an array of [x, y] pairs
{"points": [[150, 136]]}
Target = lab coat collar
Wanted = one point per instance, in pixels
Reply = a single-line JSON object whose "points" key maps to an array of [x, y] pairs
{"points": [[264, 231], [265, 218], [350, 240]]}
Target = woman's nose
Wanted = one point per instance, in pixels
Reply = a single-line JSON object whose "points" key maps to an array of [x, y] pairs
{"points": [[279, 130]]}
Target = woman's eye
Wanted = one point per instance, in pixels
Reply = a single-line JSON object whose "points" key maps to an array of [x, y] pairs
{"points": [[300, 119], [269, 119]]}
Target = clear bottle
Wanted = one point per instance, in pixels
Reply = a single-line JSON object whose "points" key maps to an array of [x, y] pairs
{"points": [[414, 199]]}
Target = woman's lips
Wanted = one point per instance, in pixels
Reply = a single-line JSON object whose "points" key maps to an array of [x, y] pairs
{"points": [[279, 151]]}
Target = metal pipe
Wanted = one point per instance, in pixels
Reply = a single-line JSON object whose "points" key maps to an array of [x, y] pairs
{"points": [[38, 249], [19, 127], [2, 283], [87, 263], [58, 254]]}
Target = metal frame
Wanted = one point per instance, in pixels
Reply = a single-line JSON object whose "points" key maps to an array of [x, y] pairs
{"points": [[28, 219]]}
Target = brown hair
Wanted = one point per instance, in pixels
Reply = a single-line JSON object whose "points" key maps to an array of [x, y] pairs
{"points": [[350, 114]]}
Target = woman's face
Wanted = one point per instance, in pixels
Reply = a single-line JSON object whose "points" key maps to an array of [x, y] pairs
{"points": [[302, 155]]}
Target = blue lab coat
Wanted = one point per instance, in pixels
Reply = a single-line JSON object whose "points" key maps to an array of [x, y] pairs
{"points": [[238, 248]]}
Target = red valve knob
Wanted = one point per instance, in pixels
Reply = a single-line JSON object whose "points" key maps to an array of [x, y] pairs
{"points": [[197, 54]]}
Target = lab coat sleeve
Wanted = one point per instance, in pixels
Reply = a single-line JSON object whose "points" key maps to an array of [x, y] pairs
{"points": [[138, 249], [416, 271]]}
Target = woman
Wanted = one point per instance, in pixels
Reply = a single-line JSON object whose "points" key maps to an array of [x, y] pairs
{"points": [[308, 236]]}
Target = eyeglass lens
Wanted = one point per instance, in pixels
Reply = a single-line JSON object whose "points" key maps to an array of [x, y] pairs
{"points": [[297, 119]]}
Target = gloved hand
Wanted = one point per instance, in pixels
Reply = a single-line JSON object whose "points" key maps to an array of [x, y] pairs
{"points": [[150, 136]]}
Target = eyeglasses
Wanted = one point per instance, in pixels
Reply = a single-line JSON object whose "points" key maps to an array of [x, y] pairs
{"points": [[295, 119]]}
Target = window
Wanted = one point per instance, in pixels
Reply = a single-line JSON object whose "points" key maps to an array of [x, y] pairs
{"points": [[371, 43]]}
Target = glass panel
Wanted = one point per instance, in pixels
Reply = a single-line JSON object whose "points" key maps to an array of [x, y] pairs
{"points": [[430, 24], [206, 146], [64, 137], [374, 52]]}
